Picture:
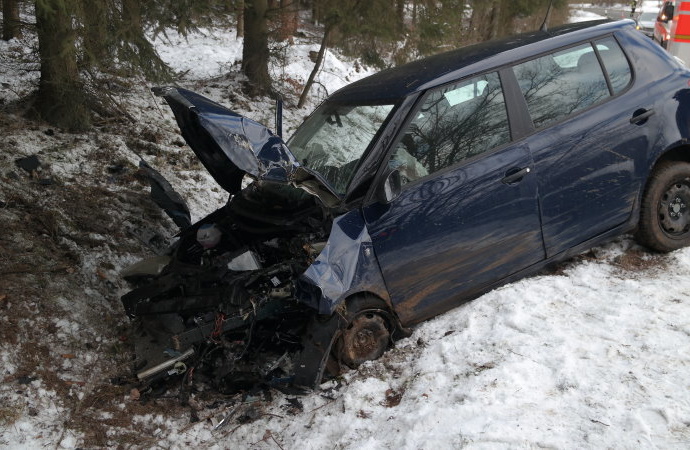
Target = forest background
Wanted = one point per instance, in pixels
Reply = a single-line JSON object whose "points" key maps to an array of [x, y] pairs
{"points": [[82, 44]]}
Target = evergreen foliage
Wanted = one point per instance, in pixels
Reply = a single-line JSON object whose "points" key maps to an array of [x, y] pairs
{"points": [[109, 35]]}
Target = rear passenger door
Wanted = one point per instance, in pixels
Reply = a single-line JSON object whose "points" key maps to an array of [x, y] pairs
{"points": [[585, 145]]}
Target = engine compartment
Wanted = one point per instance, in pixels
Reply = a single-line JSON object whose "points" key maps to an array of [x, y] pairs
{"points": [[223, 308]]}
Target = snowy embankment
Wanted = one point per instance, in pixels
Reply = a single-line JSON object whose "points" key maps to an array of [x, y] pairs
{"points": [[593, 355], [596, 356]]}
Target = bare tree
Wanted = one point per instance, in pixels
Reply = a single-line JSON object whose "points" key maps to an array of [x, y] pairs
{"points": [[317, 65]]}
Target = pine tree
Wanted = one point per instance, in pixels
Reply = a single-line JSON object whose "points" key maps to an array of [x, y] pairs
{"points": [[287, 19], [96, 33], [133, 49], [60, 99], [239, 13], [255, 52]]}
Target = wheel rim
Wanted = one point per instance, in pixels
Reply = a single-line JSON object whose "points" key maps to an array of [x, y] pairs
{"points": [[674, 210], [365, 339]]}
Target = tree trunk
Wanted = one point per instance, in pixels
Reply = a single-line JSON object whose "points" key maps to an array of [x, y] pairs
{"points": [[95, 18], [239, 13], [317, 66], [492, 26], [288, 19], [255, 49], [10, 23], [61, 99], [400, 13], [316, 11]]}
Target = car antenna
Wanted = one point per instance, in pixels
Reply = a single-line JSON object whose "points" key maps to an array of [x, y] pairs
{"points": [[544, 26], [279, 117]]}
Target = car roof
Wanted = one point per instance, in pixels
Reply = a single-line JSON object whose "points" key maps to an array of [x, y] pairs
{"points": [[390, 85]]}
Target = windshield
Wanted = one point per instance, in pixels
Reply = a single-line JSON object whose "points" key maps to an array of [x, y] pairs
{"points": [[334, 138], [647, 17]]}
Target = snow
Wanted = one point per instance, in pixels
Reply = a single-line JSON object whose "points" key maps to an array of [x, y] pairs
{"points": [[583, 16], [594, 357], [595, 354], [205, 54]]}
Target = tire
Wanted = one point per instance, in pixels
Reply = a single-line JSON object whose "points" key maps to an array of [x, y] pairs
{"points": [[665, 210], [367, 333]]}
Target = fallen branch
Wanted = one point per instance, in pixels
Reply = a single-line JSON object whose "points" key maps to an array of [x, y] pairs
{"points": [[33, 270]]}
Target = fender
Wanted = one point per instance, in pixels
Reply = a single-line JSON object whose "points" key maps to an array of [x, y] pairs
{"points": [[347, 265]]}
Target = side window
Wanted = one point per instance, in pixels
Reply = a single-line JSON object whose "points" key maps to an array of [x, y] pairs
{"points": [[454, 123], [561, 84], [615, 62]]}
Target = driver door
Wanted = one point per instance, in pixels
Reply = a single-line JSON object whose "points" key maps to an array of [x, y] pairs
{"points": [[467, 215]]}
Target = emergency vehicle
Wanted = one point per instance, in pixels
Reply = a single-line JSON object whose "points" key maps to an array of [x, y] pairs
{"points": [[672, 29], [664, 20]]}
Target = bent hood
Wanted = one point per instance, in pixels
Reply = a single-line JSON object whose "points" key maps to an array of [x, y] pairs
{"points": [[230, 145]]}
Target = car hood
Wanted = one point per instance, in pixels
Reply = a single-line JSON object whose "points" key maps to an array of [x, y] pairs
{"points": [[230, 146]]}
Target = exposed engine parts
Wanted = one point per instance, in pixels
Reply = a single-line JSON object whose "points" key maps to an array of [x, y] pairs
{"points": [[224, 307], [260, 290]]}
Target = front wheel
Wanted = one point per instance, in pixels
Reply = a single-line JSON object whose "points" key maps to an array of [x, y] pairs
{"points": [[367, 334], [665, 209]]}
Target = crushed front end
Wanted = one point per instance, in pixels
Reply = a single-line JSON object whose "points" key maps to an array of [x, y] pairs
{"points": [[223, 305], [258, 291]]}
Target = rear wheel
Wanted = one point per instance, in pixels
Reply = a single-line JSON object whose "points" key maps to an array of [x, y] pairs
{"points": [[367, 334], [665, 209]]}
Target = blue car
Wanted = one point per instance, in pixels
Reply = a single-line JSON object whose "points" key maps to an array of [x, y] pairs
{"points": [[406, 194]]}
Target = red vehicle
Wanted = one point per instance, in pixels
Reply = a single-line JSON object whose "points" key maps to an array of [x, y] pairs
{"points": [[679, 44], [662, 28]]}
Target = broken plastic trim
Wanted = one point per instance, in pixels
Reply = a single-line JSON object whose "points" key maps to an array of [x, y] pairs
{"points": [[166, 197]]}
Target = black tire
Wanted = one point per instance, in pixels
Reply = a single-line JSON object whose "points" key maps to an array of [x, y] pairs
{"points": [[665, 210], [367, 333]]}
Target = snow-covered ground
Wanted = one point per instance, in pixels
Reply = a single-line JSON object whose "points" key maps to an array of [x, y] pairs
{"points": [[583, 16], [595, 354]]}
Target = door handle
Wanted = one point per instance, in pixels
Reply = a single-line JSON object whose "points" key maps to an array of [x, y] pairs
{"points": [[641, 115], [515, 175]]}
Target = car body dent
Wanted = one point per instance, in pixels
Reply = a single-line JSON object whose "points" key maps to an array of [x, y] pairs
{"points": [[347, 265]]}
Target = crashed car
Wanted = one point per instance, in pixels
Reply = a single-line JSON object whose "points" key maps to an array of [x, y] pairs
{"points": [[406, 194]]}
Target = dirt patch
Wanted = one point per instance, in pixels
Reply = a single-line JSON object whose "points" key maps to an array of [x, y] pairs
{"points": [[393, 397], [635, 260]]}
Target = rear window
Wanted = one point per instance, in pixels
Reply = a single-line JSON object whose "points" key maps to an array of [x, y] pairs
{"points": [[615, 62], [560, 84]]}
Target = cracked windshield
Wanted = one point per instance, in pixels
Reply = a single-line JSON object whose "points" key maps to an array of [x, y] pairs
{"points": [[335, 137]]}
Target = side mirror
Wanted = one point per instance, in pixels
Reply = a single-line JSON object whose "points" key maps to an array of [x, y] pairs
{"points": [[389, 190], [667, 13]]}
